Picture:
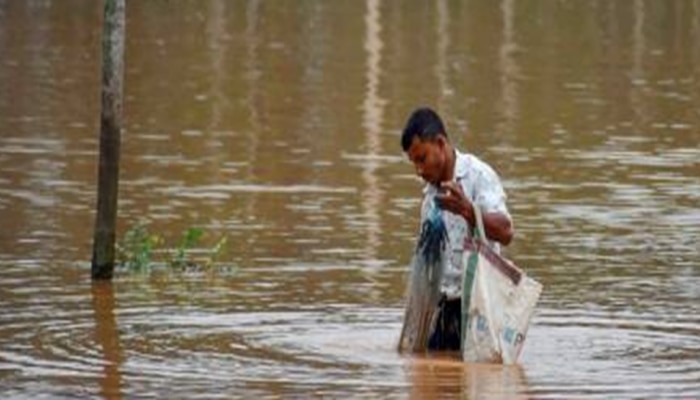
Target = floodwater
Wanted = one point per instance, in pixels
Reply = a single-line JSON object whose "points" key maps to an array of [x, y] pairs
{"points": [[277, 124]]}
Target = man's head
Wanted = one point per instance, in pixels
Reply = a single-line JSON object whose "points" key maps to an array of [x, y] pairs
{"points": [[424, 140]]}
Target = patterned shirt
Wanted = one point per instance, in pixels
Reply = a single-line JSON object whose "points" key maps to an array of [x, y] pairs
{"points": [[482, 187]]}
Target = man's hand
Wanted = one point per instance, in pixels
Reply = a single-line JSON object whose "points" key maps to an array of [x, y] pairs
{"points": [[451, 198]]}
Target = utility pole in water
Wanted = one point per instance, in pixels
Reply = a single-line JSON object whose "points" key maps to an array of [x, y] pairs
{"points": [[110, 127]]}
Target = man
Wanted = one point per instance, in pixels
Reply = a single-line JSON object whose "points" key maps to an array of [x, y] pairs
{"points": [[458, 182]]}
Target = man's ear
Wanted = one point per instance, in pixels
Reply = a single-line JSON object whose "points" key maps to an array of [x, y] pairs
{"points": [[441, 141]]}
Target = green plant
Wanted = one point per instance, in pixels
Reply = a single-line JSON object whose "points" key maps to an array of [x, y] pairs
{"points": [[216, 251], [180, 258], [138, 251]]}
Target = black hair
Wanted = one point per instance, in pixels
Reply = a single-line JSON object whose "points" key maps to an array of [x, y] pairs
{"points": [[424, 123]]}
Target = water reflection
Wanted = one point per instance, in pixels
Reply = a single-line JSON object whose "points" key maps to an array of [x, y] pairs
{"points": [[638, 86], [441, 377], [218, 37], [373, 114], [107, 336], [442, 66], [509, 70]]}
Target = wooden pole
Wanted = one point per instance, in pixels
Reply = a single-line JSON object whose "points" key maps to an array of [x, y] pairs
{"points": [[110, 127]]}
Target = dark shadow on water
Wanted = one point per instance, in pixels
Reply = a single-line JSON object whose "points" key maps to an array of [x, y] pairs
{"points": [[107, 336]]}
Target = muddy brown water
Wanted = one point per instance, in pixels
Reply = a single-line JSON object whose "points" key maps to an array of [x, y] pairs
{"points": [[277, 124]]}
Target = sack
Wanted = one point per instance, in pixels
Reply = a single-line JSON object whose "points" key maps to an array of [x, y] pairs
{"points": [[498, 300]]}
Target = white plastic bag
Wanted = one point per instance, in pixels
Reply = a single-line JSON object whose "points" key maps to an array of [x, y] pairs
{"points": [[498, 300]]}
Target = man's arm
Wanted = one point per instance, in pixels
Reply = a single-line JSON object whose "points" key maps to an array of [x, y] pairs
{"points": [[497, 225]]}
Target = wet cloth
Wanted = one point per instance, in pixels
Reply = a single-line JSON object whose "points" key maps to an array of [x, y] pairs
{"points": [[482, 187]]}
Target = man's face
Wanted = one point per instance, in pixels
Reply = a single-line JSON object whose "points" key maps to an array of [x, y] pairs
{"points": [[428, 157]]}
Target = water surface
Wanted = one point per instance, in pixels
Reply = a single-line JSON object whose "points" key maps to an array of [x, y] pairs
{"points": [[277, 124]]}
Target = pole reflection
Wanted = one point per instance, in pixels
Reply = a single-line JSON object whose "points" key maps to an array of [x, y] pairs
{"points": [[107, 336]]}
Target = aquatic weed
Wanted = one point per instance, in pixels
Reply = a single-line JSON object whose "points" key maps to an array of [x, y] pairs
{"points": [[141, 250]]}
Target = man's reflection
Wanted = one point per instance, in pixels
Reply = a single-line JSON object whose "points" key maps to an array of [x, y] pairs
{"points": [[440, 375]]}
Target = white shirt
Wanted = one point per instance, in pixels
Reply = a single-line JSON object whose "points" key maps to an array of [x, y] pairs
{"points": [[483, 188]]}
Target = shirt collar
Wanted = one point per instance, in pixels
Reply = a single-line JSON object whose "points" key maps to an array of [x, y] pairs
{"points": [[461, 165]]}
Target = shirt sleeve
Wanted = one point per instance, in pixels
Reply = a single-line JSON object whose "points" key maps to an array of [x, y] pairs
{"points": [[490, 195]]}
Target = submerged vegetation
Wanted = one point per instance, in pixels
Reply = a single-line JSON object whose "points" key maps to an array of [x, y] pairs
{"points": [[141, 250]]}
